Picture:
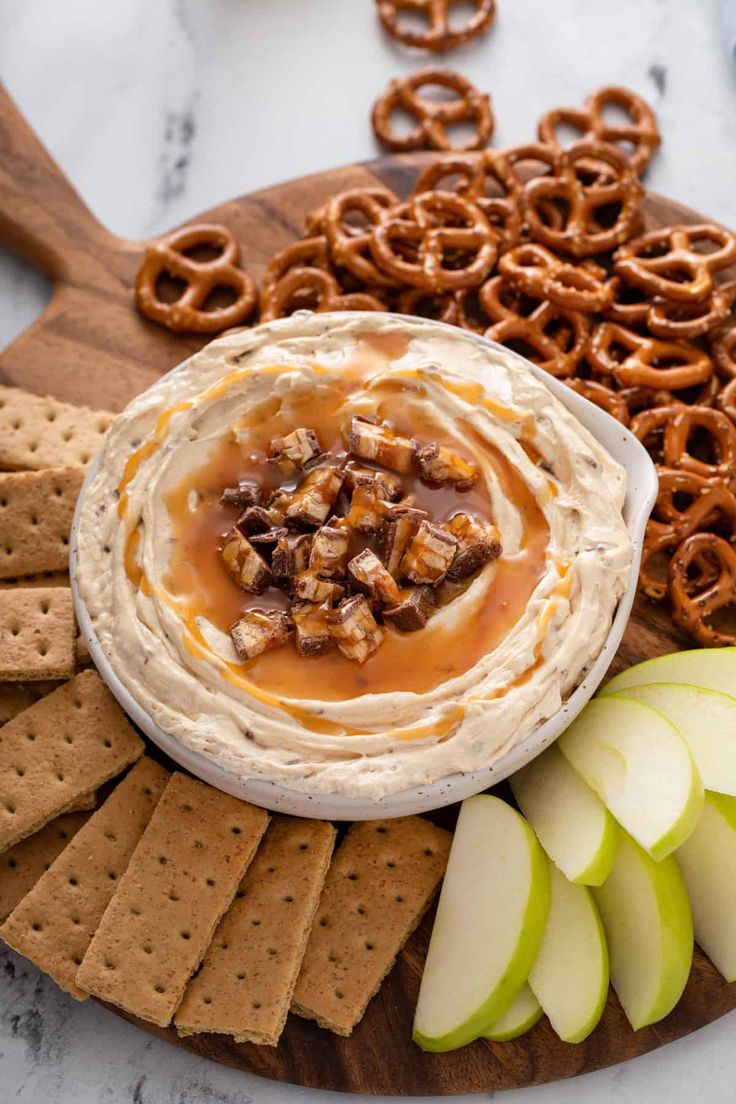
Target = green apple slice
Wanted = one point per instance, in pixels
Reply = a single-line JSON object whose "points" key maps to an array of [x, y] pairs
{"points": [[572, 824], [646, 917], [570, 975], [641, 769], [524, 1012], [706, 720], [707, 861], [711, 668], [490, 921]]}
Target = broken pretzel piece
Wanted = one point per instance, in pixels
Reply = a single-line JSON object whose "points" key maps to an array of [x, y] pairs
{"points": [[477, 543], [313, 499], [250, 570], [295, 451], [354, 628], [329, 551], [413, 611], [312, 631], [397, 530], [258, 631], [380, 444], [246, 493], [310, 588], [369, 575], [291, 554], [430, 554], [439, 465]]}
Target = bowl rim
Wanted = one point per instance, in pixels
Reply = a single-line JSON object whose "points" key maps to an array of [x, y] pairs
{"points": [[641, 493]]}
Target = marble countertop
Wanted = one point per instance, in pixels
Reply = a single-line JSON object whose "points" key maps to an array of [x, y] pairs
{"points": [[158, 110]]}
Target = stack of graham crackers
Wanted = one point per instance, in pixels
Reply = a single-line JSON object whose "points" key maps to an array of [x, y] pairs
{"points": [[171, 900]]}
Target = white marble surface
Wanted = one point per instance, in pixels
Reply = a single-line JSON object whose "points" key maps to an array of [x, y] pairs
{"points": [[159, 108]]}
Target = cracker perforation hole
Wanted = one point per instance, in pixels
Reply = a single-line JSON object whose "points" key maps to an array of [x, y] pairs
{"points": [[186, 935]]}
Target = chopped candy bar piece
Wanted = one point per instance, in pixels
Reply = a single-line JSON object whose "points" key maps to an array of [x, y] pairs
{"points": [[354, 629], [439, 465], [250, 570], [397, 530], [412, 613], [428, 557], [257, 519], [367, 509], [291, 554], [477, 543], [310, 588], [247, 493], [295, 451], [260, 630], [367, 571], [380, 444], [389, 486], [270, 538], [329, 551], [313, 636], [312, 501]]}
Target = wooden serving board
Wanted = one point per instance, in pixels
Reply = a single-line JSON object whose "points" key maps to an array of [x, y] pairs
{"points": [[90, 346]]}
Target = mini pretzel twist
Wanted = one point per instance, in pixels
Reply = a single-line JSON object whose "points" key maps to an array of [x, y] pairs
{"points": [[433, 116], [726, 400], [670, 428], [439, 35], [311, 289], [692, 608], [666, 319], [580, 202], [723, 351], [535, 270], [169, 257], [648, 361], [438, 228], [310, 253], [602, 396], [456, 308], [350, 243], [657, 261], [480, 177], [552, 337], [641, 132], [644, 398]]}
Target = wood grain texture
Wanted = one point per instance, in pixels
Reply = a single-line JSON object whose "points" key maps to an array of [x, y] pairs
{"points": [[91, 347]]}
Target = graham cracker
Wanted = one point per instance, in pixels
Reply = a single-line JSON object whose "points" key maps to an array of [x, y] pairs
{"points": [[379, 886], [86, 801], [245, 986], [181, 879], [36, 510], [22, 866], [17, 696], [45, 579], [40, 432], [37, 633], [55, 922], [54, 753]]}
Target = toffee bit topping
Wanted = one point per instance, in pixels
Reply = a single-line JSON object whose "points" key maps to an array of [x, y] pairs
{"points": [[313, 499], [380, 444], [369, 575], [246, 493], [250, 570], [310, 588], [329, 552], [312, 635], [355, 629], [477, 543], [295, 451], [258, 631], [439, 466], [413, 611], [291, 554], [428, 557], [256, 519], [398, 528]]}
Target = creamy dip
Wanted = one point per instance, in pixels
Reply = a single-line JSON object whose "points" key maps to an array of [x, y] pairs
{"points": [[491, 664]]}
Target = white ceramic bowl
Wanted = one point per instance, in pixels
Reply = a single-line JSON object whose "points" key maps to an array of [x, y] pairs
{"points": [[641, 492]]}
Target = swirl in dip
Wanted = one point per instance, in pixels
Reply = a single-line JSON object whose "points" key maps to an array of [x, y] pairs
{"points": [[502, 648]]}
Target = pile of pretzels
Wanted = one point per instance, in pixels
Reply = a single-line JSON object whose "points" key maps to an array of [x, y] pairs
{"points": [[542, 248]]}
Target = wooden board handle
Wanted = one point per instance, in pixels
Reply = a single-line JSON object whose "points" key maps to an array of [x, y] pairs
{"points": [[41, 216]]}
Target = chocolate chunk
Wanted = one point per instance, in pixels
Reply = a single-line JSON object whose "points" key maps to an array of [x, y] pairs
{"points": [[389, 486], [291, 554], [249, 569], [247, 493], [313, 499], [295, 451], [477, 543], [354, 629], [310, 588], [369, 574], [313, 636], [399, 526], [329, 551], [412, 613], [380, 444], [259, 630], [428, 557], [270, 537], [367, 509], [439, 465], [256, 519]]}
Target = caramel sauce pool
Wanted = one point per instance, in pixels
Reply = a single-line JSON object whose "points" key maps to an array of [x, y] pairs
{"points": [[415, 662]]}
